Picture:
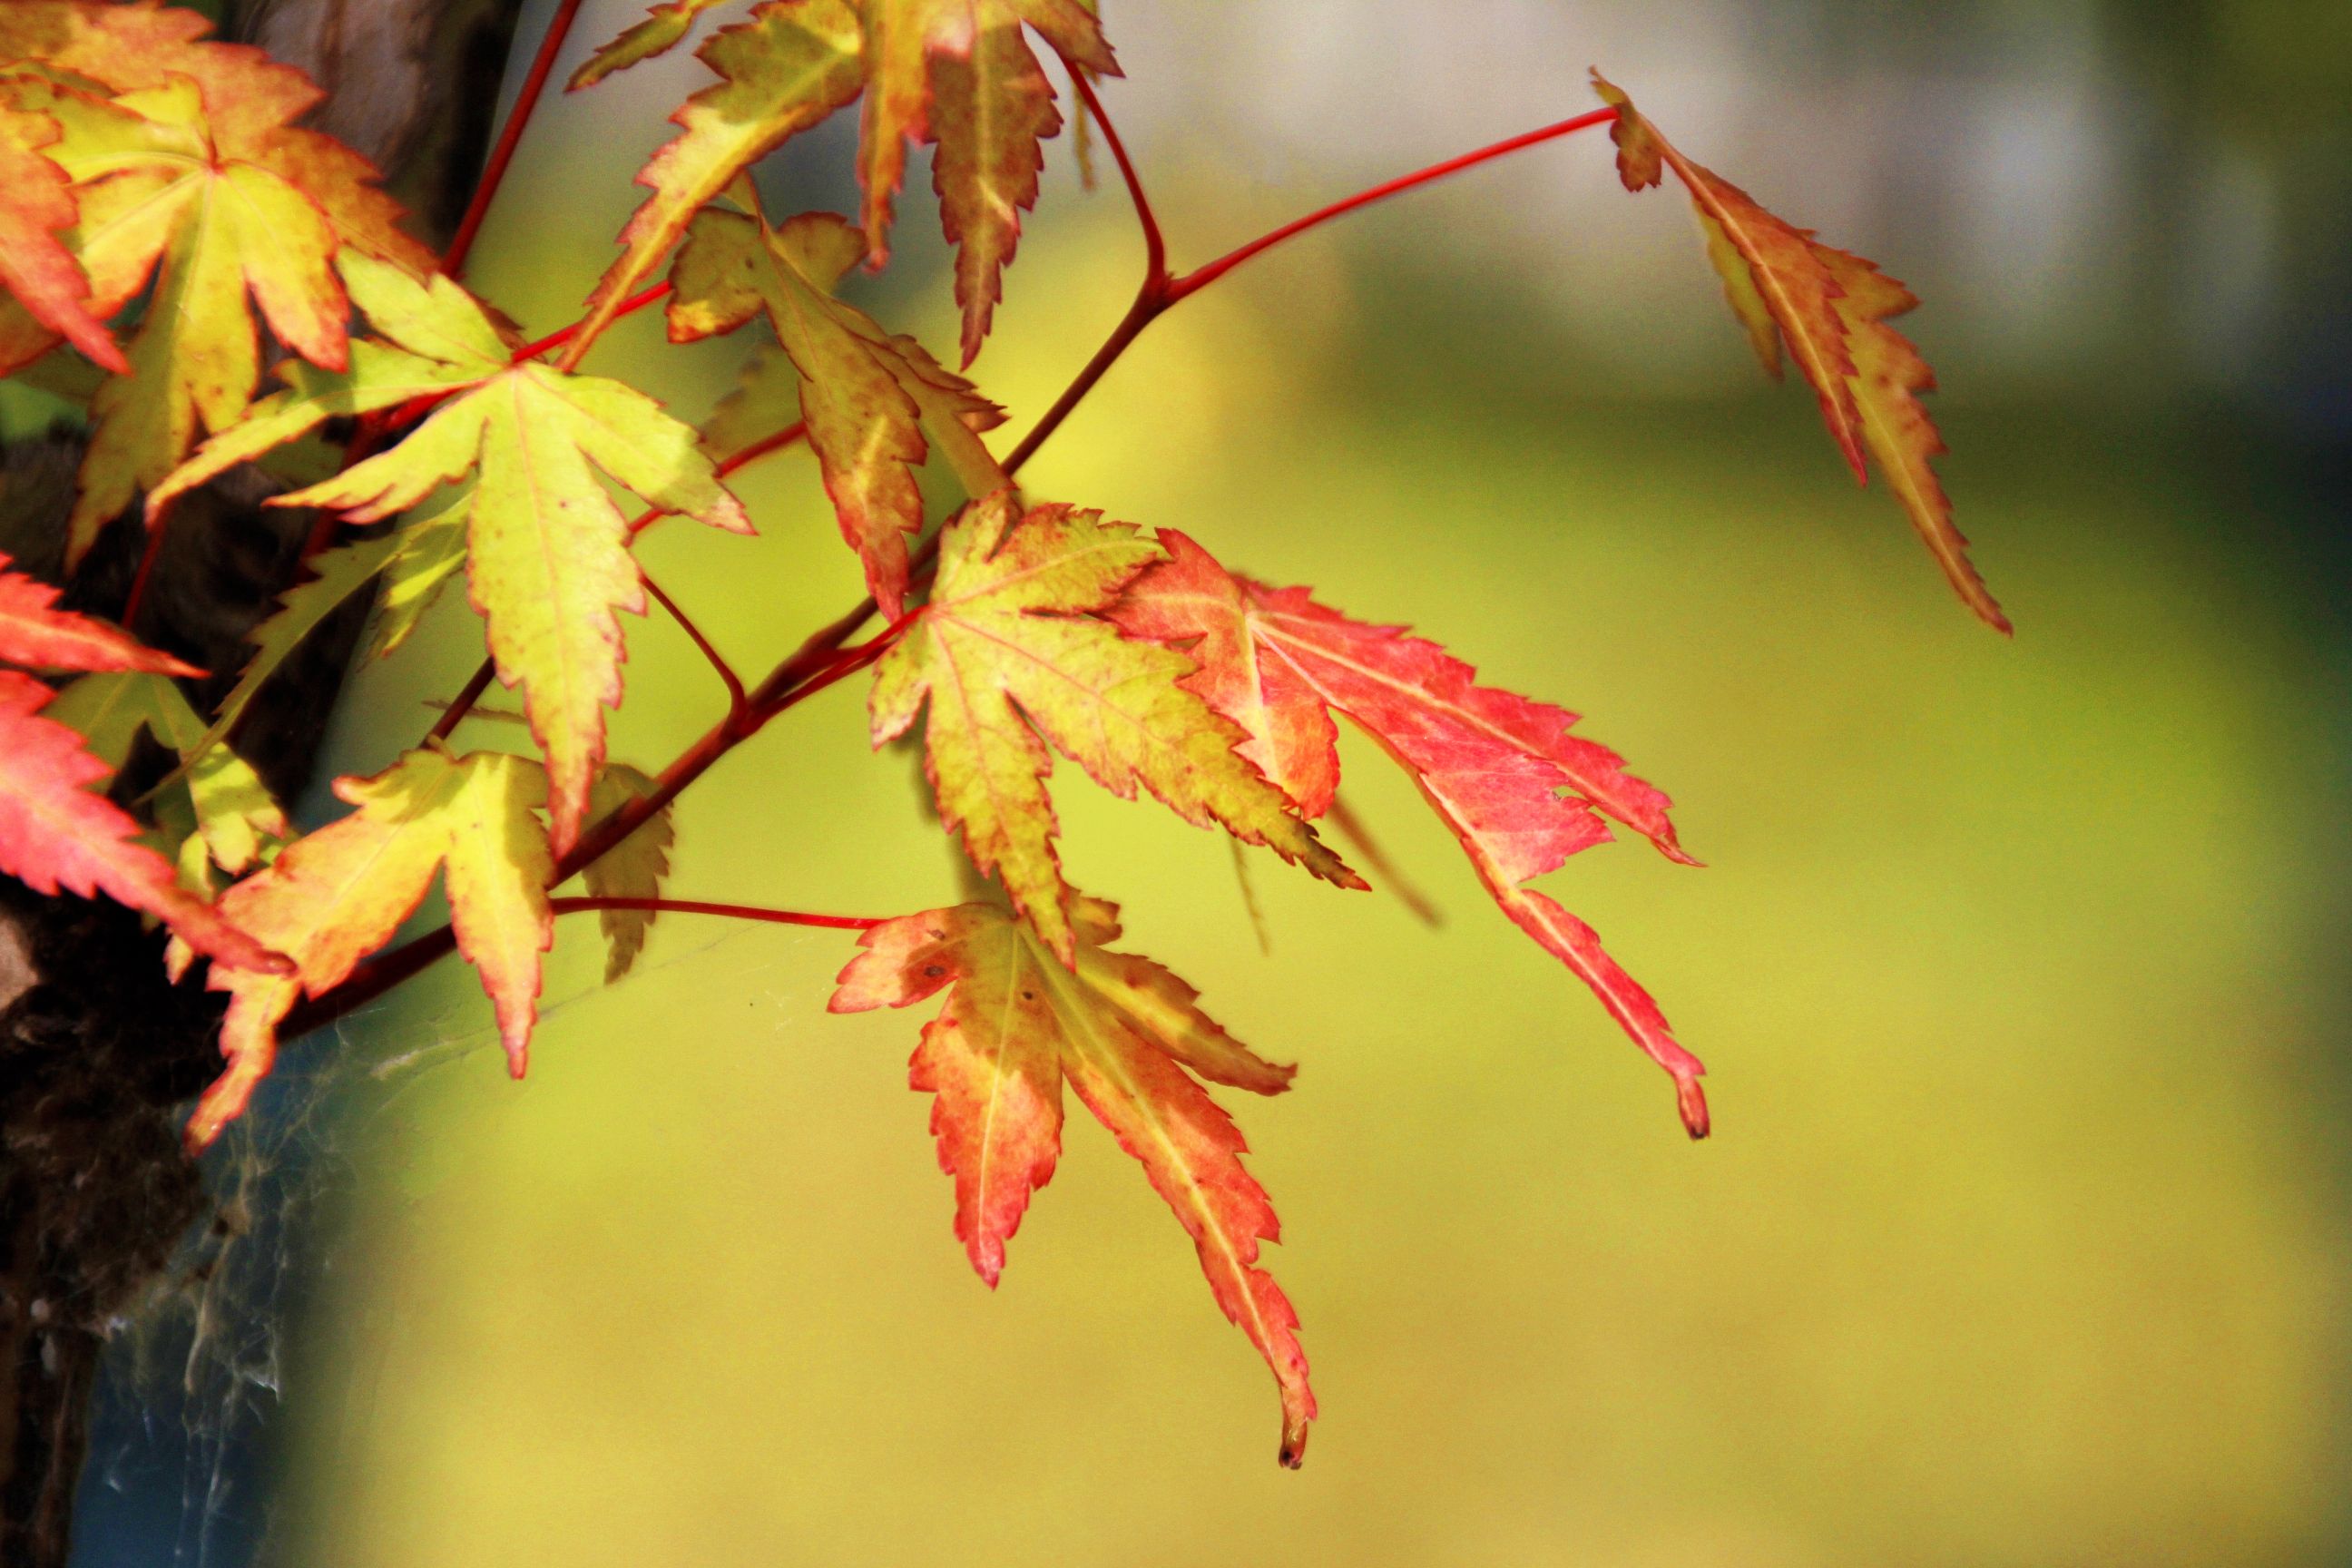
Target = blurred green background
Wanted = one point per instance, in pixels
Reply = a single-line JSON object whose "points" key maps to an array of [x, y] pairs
{"points": [[2019, 966]]}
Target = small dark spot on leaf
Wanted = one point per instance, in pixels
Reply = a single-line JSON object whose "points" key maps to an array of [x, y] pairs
{"points": [[933, 971]]}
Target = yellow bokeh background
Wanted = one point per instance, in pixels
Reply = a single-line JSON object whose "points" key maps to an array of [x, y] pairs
{"points": [[2016, 966]]}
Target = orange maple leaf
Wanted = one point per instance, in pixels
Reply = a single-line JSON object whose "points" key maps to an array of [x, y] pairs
{"points": [[1830, 308], [1505, 775], [1129, 1037]]}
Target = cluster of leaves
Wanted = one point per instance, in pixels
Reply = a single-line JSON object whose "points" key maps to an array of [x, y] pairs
{"points": [[157, 192]]}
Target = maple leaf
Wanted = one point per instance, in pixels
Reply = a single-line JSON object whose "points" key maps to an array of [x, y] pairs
{"points": [[414, 561], [1492, 764], [633, 868], [193, 176], [251, 101], [56, 834], [1131, 1039], [661, 28], [437, 339], [1829, 307], [785, 69], [547, 550], [36, 204], [1008, 660], [991, 111], [961, 74], [338, 893], [868, 398], [222, 801], [958, 72], [35, 632]]}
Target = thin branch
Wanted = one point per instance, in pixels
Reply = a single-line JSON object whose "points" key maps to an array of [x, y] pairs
{"points": [[734, 683], [1155, 246], [1201, 278], [630, 305], [697, 906], [148, 556], [462, 704], [453, 261]]}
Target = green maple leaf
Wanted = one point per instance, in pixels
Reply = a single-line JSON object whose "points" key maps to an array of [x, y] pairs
{"points": [[226, 805], [784, 71], [633, 868], [663, 27]]}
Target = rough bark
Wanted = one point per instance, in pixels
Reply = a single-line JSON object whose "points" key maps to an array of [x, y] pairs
{"points": [[95, 1049]]}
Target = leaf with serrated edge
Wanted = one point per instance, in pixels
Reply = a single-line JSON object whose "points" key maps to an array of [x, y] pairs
{"points": [[1830, 308], [35, 632], [1122, 1031], [1767, 260], [1075, 29], [788, 68], [226, 803], [899, 38], [1492, 764], [338, 893], [36, 204], [56, 834], [661, 29], [869, 399], [1889, 376], [1008, 658], [633, 868], [992, 109], [217, 201], [548, 551], [439, 340]]}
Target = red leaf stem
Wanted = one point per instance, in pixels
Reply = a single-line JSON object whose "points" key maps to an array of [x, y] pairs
{"points": [[1155, 246], [556, 340], [1202, 276], [698, 907], [453, 261], [734, 683], [462, 704]]}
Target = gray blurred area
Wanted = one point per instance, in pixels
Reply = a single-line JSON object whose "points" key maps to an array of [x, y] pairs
{"points": [[2124, 202]]}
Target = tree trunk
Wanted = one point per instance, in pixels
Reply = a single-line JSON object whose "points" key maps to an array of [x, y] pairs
{"points": [[95, 1047]]}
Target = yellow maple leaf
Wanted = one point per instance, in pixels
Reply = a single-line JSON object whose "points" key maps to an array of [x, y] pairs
{"points": [[338, 893], [1008, 658]]}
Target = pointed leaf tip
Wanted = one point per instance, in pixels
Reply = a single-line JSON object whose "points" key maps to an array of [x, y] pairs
{"points": [[1521, 791], [1690, 1096], [338, 893], [1013, 665], [1829, 308], [1017, 1025]]}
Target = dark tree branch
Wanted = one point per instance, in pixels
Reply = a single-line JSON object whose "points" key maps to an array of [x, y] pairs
{"points": [[95, 1047]]}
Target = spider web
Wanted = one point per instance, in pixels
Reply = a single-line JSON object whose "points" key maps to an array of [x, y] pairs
{"points": [[198, 1399]]}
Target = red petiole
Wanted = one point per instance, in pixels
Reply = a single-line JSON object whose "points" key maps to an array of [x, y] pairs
{"points": [[697, 906], [453, 261]]}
